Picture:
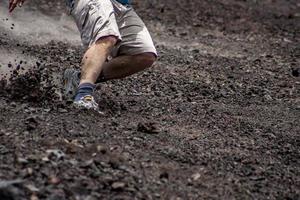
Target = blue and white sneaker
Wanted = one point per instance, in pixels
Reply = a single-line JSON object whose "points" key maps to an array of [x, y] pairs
{"points": [[87, 102], [71, 80]]}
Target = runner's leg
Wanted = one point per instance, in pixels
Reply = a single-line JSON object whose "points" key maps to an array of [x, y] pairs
{"points": [[99, 31], [135, 52], [94, 59], [123, 66]]}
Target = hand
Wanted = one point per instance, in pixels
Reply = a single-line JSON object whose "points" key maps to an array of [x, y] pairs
{"points": [[13, 4]]}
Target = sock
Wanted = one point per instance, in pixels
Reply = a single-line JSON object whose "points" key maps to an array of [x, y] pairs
{"points": [[84, 89]]}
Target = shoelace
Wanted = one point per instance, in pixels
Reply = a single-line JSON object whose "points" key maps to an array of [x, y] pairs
{"points": [[88, 98]]}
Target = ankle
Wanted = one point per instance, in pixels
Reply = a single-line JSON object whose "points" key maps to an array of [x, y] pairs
{"points": [[84, 89]]}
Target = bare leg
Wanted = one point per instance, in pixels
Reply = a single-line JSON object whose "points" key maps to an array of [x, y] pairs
{"points": [[123, 66], [94, 58]]}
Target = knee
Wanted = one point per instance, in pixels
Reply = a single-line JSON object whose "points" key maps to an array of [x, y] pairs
{"points": [[147, 59], [108, 41]]}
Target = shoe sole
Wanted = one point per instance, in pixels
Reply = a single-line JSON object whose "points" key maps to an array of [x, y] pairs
{"points": [[82, 107]]}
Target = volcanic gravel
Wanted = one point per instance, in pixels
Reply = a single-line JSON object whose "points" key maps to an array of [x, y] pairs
{"points": [[217, 116]]}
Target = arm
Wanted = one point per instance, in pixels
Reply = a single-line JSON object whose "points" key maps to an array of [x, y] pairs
{"points": [[13, 4]]}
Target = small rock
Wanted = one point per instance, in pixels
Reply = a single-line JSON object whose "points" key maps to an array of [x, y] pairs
{"points": [[287, 40], [101, 149], [61, 110], [32, 188], [157, 195], [268, 97], [150, 128], [296, 72], [88, 163], [29, 171], [22, 161], [90, 198], [34, 197], [164, 175], [10, 190], [31, 123], [45, 159], [58, 195], [47, 110], [196, 176], [56, 153], [4, 184], [25, 132], [54, 180], [118, 185], [196, 50]]}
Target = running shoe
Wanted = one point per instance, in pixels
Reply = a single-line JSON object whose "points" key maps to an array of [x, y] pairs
{"points": [[71, 81], [87, 102]]}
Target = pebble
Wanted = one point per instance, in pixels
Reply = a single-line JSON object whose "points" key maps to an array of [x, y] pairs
{"points": [[296, 72], [118, 185], [22, 161], [32, 188], [58, 154], [196, 176]]}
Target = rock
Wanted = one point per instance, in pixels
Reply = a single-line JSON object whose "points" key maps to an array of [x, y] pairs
{"points": [[73, 147], [88, 163], [196, 176], [114, 162], [31, 123], [58, 195], [149, 127], [90, 198], [4, 184], [10, 190], [61, 110], [101, 149], [196, 51], [47, 110], [3, 149], [164, 175], [296, 72], [118, 185], [29, 171], [45, 159], [34, 197], [22, 161], [55, 153], [32, 188], [54, 180]]}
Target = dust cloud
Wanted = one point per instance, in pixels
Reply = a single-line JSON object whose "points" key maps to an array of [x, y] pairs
{"points": [[31, 25]]}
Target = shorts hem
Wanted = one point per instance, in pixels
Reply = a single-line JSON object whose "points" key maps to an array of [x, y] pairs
{"points": [[137, 51], [104, 34]]}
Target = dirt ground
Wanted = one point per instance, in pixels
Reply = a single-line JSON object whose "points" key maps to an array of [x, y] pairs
{"points": [[217, 117]]}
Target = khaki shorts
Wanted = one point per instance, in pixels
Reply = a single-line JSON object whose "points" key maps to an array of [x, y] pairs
{"points": [[99, 18]]}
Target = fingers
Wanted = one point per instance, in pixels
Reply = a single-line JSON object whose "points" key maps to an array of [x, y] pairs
{"points": [[21, 3], [13, 4], [10, 3]]}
